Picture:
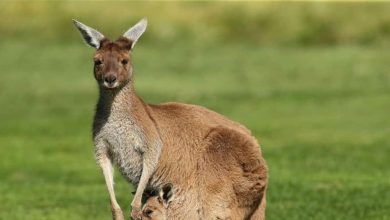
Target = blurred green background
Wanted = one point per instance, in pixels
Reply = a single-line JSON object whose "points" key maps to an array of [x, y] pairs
{"points": [[311, 80]]}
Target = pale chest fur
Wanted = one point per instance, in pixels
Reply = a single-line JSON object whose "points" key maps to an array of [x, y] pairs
{"points": [[125, 143]]}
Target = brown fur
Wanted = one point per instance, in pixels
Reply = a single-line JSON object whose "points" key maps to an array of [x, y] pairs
{"points": [[108, 60], [210, 158], [154, 209], [157, 203], [215, 164]]}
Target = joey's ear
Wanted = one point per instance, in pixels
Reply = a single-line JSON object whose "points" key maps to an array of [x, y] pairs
{"points": [[166, 194], [91, 36], [135, 32]]}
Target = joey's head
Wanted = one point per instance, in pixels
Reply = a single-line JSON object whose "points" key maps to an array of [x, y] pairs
{"points": [[112, 60], [156, 206]]}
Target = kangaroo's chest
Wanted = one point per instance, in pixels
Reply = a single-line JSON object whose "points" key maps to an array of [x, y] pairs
{"points": [[125, 142]]}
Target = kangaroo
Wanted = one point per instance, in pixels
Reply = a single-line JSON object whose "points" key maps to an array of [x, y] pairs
{"points": [[214, 163], [156, 205]]}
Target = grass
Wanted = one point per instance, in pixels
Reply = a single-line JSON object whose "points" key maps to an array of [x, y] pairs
{"points": [[320, 113], [309, 79]]}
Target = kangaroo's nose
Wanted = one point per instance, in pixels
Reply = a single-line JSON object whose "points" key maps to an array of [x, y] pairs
{"points": [[111, 78]]}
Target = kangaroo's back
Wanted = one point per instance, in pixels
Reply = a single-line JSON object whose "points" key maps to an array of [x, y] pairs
{"points": [[212, 158]]}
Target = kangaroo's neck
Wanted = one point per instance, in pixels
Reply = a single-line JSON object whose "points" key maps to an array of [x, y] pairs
{"points": [[124, 105], [118, 102]]}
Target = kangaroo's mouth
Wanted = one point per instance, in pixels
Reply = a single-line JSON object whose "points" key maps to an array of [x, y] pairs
{"points": [[112, 85]]}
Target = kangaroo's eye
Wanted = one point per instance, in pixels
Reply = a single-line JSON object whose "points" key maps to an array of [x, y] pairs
{"points": [[98, 62], [124, 61]]}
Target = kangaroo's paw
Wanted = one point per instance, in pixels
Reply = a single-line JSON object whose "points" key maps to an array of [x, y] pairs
{"points": [[136, 213]]}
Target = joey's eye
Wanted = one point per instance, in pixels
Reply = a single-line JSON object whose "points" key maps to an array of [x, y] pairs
{"points": [[98, 62], [148, 212], [124, 61]]}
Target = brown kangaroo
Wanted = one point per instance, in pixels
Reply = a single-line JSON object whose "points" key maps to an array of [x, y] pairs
{"points": [[214, 164]]}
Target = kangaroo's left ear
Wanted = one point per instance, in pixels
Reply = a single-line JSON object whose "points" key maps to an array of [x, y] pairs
{"points": [[135, 32], [91, 36], [166, 194]]}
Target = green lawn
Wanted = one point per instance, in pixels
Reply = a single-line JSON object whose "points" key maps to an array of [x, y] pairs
{"points": [[320, 114]]}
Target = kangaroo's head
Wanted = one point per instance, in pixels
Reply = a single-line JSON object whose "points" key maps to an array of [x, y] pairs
{"points": [[155, 207], [112, 61]]}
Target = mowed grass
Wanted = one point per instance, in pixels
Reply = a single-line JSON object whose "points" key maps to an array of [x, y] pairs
{"points": [[321, 116]]}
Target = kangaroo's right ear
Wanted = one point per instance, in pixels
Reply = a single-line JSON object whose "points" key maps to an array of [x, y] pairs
{"points": [[91, 36]]}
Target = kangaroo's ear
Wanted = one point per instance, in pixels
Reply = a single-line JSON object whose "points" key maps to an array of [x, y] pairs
{"points": [[166, 194], [135, 32], [91, 36]]}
